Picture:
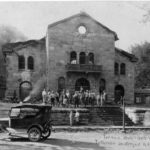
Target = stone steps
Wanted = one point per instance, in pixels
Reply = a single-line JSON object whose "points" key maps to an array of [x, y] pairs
{"points": [[107, 116], [88, 116]]}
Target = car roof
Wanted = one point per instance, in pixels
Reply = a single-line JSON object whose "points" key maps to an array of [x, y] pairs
{"points": [[32, 106]]}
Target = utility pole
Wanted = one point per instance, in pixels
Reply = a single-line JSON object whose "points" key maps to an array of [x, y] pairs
{"points": [[123, 121]]}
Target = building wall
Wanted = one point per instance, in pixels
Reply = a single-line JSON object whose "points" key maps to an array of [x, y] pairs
{"points": [[15, 76], [61, 39], [2, 75], [127, 80], [64, 37]]}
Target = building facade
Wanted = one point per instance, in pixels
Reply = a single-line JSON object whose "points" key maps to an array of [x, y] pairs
{"points": [[25, 67], [76, 52], [2, 76]]}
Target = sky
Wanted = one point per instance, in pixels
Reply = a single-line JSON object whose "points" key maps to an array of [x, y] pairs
{"points": [[125, 18]]}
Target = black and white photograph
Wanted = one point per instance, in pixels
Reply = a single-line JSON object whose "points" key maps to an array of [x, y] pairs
{"points": [[74, 75]]}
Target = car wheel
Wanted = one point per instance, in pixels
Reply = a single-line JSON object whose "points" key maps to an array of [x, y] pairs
{"points": [[34, 134], [46, 134]]}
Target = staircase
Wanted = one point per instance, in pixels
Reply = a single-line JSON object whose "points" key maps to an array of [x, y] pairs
{"points": [[102, 116], [109, 115], [60, 116]]}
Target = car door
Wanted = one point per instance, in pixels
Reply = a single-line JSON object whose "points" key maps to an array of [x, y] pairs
{"points": [[15, 118]]}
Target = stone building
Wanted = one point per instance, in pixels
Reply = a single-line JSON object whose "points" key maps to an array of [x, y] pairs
{"points": [[81, 52], [78, 52], [25, 66], [2, 75]]}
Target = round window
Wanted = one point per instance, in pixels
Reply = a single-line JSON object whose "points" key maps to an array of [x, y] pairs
{"points": [[82, 29]]}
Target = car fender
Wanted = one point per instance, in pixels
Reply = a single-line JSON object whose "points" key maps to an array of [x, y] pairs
{"points": [[36, 125]]}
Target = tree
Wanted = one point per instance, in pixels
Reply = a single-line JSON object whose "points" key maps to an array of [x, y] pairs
{"points": [[142, 68]]}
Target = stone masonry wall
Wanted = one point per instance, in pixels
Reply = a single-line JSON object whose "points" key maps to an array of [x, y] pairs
{"points": [[64, 37], [2, 75], [15, 76], [127, 80]]}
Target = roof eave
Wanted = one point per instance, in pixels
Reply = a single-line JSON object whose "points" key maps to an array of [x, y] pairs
{"points": [[131, 57]]}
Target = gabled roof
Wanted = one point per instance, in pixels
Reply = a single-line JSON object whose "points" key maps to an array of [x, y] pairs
{"points": [[84, 14], [131, 57]]}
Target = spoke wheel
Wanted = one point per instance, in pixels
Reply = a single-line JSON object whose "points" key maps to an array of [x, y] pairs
{"points": [[46, 134], [34, 134]]}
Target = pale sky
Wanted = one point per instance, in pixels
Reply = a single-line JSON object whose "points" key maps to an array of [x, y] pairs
{"points": [[125, 18]]}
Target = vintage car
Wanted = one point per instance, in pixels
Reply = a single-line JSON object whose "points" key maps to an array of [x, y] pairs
{"points": [[35, 119]]}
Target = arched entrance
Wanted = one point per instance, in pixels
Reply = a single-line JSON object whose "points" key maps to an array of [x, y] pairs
{"points": [[25, 89], [119, 92], [82, 82], [61, 84], [102, 85]]}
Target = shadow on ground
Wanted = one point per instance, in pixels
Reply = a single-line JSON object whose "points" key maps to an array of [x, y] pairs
{"points": [[61, 144]]}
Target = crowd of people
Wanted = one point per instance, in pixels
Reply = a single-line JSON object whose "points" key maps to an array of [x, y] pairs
{"points": [[79, 98]]}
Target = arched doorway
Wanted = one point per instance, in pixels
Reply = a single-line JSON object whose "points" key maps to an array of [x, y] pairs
{"points": [[82, 82], [102, 85], [25, 89], [61, 84], [119, 92]]}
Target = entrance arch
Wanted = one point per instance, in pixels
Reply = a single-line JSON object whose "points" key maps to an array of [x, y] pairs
{"points": [[25, 89], [119, 92], [82, 82], [102, 85], [61, 84]]}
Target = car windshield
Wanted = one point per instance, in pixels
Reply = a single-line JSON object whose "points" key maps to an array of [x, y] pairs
{"points": [[15, 112]]}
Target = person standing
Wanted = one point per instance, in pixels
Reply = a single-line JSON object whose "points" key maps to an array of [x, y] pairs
{"points": [[49, 97], [76, 99], [77, 117], [68, 97], [81, 89], [44, 94], [98, 99], [104, 97], [61, 99], [65, 100], [86, 98], [71, 118], [57, 98], [52, 98]]}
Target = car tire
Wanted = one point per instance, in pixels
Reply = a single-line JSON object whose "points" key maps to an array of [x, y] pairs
{"points": [[46, 134], [34, 134]]}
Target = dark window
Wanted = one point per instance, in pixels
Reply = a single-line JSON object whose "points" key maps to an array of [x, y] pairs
{"points": [[123, 69], [91, 58], [82, 58], [138, 100], [73, 57], [61, 83], [28, 112], [30, 63], [116, 68], [21, 62]]}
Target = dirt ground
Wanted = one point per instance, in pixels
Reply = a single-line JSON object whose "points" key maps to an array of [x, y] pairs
{"points": [[92, 140]]}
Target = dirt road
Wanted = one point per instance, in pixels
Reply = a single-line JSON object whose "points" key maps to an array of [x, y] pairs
{"points": [[93, 140]]}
